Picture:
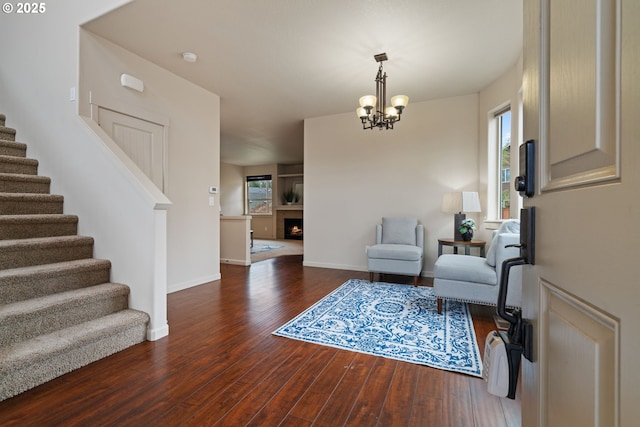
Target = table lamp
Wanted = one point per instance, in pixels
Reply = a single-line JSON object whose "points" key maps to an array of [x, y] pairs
{"points": [[459, 203]]}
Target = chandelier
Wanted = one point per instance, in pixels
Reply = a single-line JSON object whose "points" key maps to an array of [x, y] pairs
{"points": [[373, 111]]}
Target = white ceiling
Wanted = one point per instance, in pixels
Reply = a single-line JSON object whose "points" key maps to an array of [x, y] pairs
{"points": [[276, 62]]}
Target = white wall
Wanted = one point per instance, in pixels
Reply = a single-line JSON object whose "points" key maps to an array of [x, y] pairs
{"points": [[193, 149], [354, 177], [232, 189], [235, 240]]}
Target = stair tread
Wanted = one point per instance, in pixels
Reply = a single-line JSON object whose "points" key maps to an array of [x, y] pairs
{"points": [[58, 342], [76, 297], [6, 129], [20, 203], [20, 160], [44, 250], [45, 241], [24, 177], [38, 218], [16, 144], [34, 281], [35, 197], [54, 268]]}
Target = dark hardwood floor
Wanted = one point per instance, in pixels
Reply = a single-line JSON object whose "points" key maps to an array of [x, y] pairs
{"points": [[220, 365]]}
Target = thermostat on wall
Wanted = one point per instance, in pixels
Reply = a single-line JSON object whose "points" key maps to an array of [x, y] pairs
{"points": [[213, 190]]}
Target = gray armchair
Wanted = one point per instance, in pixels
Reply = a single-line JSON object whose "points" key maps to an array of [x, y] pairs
{"points": [[399, 248], [476, 280]]}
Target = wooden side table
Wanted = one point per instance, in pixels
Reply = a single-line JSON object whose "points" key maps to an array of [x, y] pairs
{"points": [[462, 244]]}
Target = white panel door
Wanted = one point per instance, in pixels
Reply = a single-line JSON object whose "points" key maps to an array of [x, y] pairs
{"points": [[141, 140], [581, 94]]}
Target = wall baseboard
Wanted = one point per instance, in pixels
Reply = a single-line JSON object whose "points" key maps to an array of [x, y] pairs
{"points": [[157, 333], [235, 261], [423, 273], [191, 283], [334, 266]]}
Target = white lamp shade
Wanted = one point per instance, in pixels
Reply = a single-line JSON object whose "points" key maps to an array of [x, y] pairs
{"points": [[368, 101], [391, 112], [461, 201], [361, 112], [400, 101], [470, 201]]}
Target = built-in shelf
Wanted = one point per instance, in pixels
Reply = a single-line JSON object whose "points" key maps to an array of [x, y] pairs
{"points": [[294, 169], [290, 175], [295, 207]]}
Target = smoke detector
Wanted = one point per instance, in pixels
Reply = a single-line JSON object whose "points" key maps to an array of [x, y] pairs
{"points": [[189, 56]]}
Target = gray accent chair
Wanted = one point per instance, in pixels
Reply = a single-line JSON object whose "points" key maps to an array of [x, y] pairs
{"points": [[477, 280], [399, 248]]}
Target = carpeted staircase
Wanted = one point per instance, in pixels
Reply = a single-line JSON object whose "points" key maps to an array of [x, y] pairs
{"points": [[58, 310]]}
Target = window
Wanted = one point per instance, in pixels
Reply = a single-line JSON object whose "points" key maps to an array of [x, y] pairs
{"points": [[503, 133], [259, 195]]}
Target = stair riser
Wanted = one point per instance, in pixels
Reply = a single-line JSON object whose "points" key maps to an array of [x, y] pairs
{"points": [[24, 257], [22, 288], [13, 150], [27, 326], [26, 231], [7, 134], [18, 167], [12, 186], [31, 207]]}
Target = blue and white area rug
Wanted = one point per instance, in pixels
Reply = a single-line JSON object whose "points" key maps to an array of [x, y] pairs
{"points": [[394, 321], [259, 247]]}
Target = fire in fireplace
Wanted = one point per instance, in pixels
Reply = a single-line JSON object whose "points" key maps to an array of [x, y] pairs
{"points": [[293, 228]]}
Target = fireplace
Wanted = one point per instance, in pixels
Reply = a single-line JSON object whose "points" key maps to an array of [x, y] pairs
{"points": [[293, 228]]}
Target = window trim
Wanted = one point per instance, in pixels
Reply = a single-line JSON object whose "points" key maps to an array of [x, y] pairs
{"points": [[500, 188], [493, 167], [255, 178]]}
